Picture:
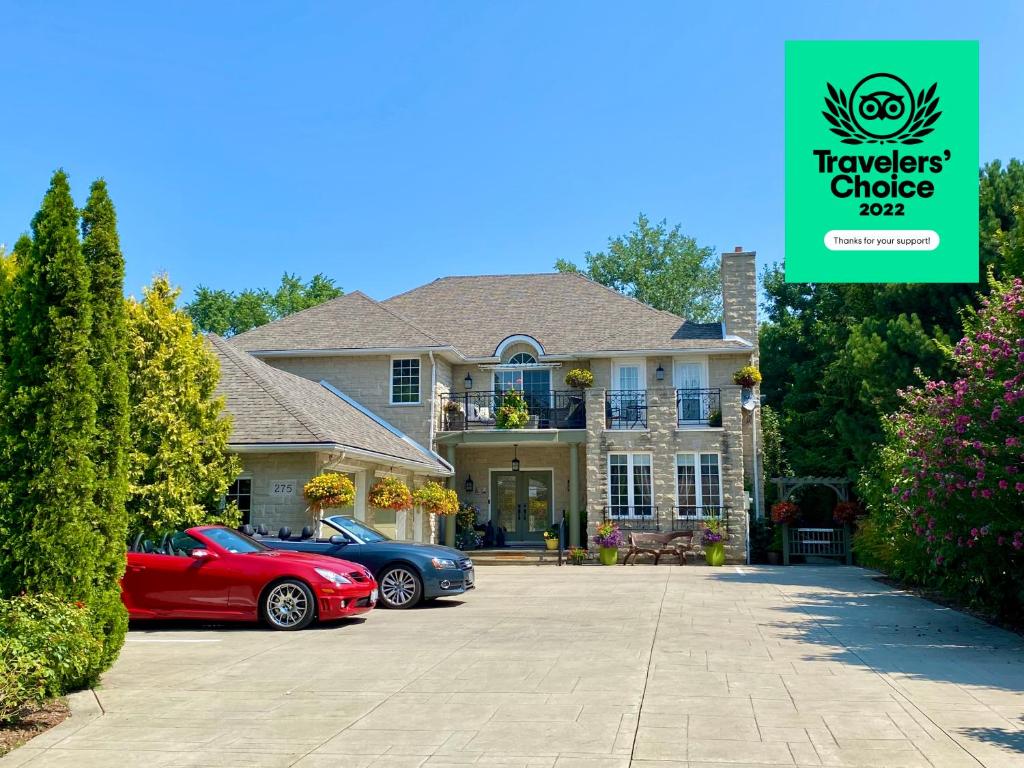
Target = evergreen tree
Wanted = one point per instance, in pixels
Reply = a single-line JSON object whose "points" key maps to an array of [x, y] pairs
{"points": [[48, 540], [179, 467], [103, 257]]}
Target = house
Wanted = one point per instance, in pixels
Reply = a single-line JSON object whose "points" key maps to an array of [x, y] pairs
{"points": [[663, 440]]}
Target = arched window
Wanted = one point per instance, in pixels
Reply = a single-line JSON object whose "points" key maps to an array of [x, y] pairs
{"points": [[522, 358]]}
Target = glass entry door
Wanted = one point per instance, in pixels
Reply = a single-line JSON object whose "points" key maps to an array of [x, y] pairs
{"points": [[521, 504]]}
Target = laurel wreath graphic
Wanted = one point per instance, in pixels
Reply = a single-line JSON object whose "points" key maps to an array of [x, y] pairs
{"points": [[839, 117]]}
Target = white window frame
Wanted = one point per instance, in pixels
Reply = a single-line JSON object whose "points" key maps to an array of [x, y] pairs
{"points": [[391, 380], [630, 362], [630, 498], [698, 483], [702, 361]]}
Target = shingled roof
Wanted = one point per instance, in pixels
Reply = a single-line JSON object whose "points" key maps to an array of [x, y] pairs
{"points": [[273, 407], [351, 321], [566, 312]]}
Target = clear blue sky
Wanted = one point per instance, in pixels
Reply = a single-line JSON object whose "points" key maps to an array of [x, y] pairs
{"points": [[386, 144]]}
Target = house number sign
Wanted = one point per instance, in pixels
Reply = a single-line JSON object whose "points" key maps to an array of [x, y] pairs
{"points": [[282, 487]]}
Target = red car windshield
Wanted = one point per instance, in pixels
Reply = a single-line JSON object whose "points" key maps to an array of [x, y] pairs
{"points": [[233, 541]]}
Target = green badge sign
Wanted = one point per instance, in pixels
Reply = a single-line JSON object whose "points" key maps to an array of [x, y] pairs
{"points": [[882, 161]]}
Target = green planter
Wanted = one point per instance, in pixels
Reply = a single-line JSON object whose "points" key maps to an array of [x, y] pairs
{"points": [[715, 553], [609, 555]]}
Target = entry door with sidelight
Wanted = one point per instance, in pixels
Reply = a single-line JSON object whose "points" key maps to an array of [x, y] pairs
{"points": [[521, 504]]}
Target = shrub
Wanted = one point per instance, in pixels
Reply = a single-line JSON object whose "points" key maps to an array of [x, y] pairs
{"points": [[513, 412], [846, 512], [954, 463], [390, 493], [747, 376], [330, 489], [57, 632], [22, 679], [436, 499], [579, 378]]}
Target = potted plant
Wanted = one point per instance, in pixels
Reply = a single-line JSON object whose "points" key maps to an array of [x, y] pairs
{"points": [[608, 538], [390, 493], [713, 541], [551, 537], [454, 416], [747, 377], [775, 548], [715, 418], [513, 412], [436, 499], [577, 555], [579, 378]]}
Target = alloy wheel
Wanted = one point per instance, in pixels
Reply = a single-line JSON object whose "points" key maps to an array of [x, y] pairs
{"points": [[287, 606], [400, 588]]}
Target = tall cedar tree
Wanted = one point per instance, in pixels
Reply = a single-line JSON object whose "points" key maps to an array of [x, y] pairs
{"points": [[48, 539], [179, 467], [102, 251]]}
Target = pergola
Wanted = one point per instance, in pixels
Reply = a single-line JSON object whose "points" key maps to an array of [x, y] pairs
{"points": [[787, 485]]}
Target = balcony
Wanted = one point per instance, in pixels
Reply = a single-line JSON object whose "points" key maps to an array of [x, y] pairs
{"points": [[699, 407], [625, 409], [564, 409]]}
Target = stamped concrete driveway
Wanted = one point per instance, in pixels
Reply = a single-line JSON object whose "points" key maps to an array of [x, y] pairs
{"points": [[571, 668]]}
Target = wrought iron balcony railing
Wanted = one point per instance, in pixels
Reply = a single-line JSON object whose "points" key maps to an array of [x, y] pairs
{"points": [[699, 407], [625, 409], [564, 409], [633, 518]]}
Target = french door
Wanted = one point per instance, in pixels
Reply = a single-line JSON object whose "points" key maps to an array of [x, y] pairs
{"points": [[521, 504]]}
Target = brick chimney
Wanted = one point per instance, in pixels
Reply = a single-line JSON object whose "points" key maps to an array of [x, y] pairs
{"points": [[739, 295]]}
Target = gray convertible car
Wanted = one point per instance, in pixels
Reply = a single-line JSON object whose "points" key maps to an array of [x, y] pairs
{"points": [[407, 572]]}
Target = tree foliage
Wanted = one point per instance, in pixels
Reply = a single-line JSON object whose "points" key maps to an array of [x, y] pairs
{"points": [[227, 313], [179, 467], [659, 266], [953, 465], [834, 355]]}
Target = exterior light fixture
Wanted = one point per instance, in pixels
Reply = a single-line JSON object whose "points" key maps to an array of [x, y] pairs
{"points": [[468, 381], [469, 484], [660, 373], [515, 458]]}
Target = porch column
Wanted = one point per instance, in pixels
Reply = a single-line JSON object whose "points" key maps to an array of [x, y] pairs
{"points": [[574, 495], [449, 520], [362, 489]]}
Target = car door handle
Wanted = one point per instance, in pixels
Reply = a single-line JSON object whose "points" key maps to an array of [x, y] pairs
{"points": [[136, 568]]}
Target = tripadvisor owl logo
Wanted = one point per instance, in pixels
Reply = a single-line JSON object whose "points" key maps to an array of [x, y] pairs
{"points": [[881, 109]]}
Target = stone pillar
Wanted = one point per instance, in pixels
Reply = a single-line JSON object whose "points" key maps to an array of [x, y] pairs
{"points": [[574, 495], [739, 296], [449, 520], [732, 472], [597, 471], [661, 424], [362, 489]]}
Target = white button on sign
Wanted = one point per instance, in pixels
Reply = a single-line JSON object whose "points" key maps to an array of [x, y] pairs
{"points": [[881, 240]]}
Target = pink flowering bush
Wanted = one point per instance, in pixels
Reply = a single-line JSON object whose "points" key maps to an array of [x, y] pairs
{"points": [[946, 492]]}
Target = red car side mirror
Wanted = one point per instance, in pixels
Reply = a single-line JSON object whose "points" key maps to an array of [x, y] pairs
{"points": [[202, 554]]}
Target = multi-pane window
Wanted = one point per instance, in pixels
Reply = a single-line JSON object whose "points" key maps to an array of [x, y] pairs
{"points": [[405, 380], [240, 492], [630, 491], [698, 485]]}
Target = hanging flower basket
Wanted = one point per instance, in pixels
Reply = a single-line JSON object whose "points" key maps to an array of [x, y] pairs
{"points": [[748, 376], [579, 378], [436, 499], [390, 493], [785, 512], [330, 489], [846, 512]]}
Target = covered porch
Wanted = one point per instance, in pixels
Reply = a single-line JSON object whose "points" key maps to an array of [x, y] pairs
{"points": [[521, 480]]}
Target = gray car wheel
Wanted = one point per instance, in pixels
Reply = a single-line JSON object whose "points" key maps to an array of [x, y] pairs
{"points": [[289, 605], [400, 587]]}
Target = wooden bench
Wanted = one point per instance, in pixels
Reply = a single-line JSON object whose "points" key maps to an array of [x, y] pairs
{"points": [[657, 544]]}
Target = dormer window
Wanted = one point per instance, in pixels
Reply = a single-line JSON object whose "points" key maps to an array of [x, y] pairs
{"points": [[522, 358]]}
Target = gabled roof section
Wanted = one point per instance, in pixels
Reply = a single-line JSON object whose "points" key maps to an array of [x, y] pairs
{"points": [[566, 312], [351, 321], [271, 407]]}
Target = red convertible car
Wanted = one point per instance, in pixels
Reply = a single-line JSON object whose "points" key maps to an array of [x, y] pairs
{"points": [[212, 572]]}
